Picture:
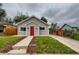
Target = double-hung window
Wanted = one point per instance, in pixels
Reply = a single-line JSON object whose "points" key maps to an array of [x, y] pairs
{"points": [[42, 28], [23, 29]]}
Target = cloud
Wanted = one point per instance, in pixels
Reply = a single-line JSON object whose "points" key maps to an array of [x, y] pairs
{"points": [[55, 12]]}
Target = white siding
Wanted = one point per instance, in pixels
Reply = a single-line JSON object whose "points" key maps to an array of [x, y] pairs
{"points": [[35, 28], [21, 32], [36, 24], [45, 31]]}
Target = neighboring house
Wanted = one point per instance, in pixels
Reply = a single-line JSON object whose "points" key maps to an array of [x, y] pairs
{"points": [[1, 28], [69, 28], [2, 25], [32, 26], [66, 27]]}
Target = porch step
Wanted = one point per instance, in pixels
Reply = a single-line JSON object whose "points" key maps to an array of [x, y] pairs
{"points": [[23, 44]]}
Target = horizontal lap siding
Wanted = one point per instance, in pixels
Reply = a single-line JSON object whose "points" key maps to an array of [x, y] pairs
{"points": [[21, 32], [36, 24], [35, 29], [44, 32]]}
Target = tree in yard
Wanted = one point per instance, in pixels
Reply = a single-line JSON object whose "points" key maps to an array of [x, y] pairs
{"points": [[44, 19], [52, 25], [19, 18], [0, 4], [2, 13], [52, 28], [9, 20]]}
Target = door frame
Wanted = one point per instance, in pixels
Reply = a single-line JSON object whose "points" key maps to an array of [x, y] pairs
{"points": [[32, 30]]}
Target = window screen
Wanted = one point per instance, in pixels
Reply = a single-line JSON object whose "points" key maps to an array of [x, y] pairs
{"points": [[23, 28], [42, 28]]}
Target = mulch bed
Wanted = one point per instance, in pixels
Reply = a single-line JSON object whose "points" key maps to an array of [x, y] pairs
{"points": [[8, 47], [32, 47]]}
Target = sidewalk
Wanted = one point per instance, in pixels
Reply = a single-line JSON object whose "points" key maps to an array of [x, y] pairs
{"points": [[21, 47], [73, 44]]}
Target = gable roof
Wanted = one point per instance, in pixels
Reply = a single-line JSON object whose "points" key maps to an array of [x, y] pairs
{"points": [[64, 26], [30, 18], [2, 23], [72, 27]]}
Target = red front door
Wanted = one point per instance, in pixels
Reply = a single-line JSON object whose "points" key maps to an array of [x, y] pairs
{"points": [[31, 30]]}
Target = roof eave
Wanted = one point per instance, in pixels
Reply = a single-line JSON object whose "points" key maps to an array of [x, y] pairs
{"points": [[29, 18]]}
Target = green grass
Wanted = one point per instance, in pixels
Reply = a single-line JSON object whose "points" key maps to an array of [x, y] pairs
{"points": [[4, 41], [48, 45]]}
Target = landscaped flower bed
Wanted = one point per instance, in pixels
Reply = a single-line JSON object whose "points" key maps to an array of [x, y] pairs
{"points": [[6, 42], [48, 45]]}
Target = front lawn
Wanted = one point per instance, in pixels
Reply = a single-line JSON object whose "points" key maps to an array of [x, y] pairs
{"points": [[48, 45], [6, 42]]}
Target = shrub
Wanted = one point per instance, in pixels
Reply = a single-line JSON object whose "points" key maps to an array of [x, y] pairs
{"points": [[68, 33], [75, 36]]}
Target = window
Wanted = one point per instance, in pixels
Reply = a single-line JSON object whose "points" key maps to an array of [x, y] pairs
{"points": [[23, 28], [42, 28]]}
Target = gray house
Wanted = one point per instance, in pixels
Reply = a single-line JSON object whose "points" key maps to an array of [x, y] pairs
{"points": [[69, 28], [32, 26]]}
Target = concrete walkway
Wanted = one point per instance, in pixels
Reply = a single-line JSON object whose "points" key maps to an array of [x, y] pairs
{"points": [[21, 47], [73, 44], [24, 43]]}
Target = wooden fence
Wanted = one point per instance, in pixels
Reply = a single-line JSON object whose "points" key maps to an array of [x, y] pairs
{"points": [[10, 30], [56, 32]]}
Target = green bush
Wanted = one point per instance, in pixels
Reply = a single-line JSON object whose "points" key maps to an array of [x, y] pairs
{"points": [[75, 36], [68, 33]]}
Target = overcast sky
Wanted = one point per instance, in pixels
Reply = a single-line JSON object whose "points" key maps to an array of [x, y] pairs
{"points": [[54, 12]]}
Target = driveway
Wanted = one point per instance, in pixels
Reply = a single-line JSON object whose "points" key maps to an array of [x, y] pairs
{"points": [[73, 44]]}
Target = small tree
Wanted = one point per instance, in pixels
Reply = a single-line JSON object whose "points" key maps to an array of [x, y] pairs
{"points": [[44, 19], [2, 13], [9, 20], [19, 18], [0, 4], [52, 25]]}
